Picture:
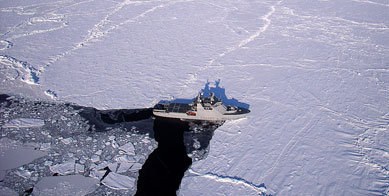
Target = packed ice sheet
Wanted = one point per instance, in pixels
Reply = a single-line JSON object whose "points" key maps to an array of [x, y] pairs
{"points": [[315, 74]]}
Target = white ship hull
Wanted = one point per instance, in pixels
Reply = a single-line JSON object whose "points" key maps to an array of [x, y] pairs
{"points": [[184, 116]]}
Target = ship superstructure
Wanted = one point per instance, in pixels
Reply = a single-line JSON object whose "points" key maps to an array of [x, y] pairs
{"points": [[202, 108]]}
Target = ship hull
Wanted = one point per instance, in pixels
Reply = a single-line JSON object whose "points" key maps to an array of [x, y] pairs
{"points": [[210, 117]]}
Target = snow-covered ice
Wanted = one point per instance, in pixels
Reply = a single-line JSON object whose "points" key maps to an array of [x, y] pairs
{"points": [[315, 74]]}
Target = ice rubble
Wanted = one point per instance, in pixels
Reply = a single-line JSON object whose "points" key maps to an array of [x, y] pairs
{"points": [[42, 139]]}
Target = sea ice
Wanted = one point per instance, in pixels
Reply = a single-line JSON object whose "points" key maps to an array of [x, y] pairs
{"points": [[5, 191], [65, 185], [118, 181], [24, 122], [64, 168], [23, 173], [14, 154], [315, 74], [128, 148]]}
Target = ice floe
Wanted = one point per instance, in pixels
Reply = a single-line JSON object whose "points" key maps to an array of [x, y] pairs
{"points": [[14, 154], [128, 148], [65, 185], [24, 122], [118, 181]]}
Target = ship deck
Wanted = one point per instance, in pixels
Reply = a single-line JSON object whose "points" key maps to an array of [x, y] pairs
{"points": [[178, 107]]}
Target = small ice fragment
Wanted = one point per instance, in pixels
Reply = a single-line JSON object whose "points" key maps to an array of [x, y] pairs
{"points": [[113, 166], [115, 144], [145, 140], [138, 158], [128, 148], [102, 165], [99, 152], [63, 118], [125, 158], [111, 138], [67, 140], [196, 144], [118, 181], [64, 168], [23, 173], [95, 158], [98, 174], [124, 166], [45, 133], [45, 146], [135, 167], [83, 160], [80, 168]]}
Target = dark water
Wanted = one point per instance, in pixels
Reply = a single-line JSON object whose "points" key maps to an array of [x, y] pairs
{"points": [[163, 170]]}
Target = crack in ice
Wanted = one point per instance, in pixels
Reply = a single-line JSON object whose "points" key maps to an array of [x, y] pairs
{"points": [[246, 41], [371, 2], [260, 189], [97, 31]]}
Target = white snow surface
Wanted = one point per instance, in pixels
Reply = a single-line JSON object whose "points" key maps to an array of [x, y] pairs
{"points": [[315, 74]]}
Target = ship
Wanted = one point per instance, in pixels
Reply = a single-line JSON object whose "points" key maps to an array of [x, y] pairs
{"points": [[201, 108]]}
